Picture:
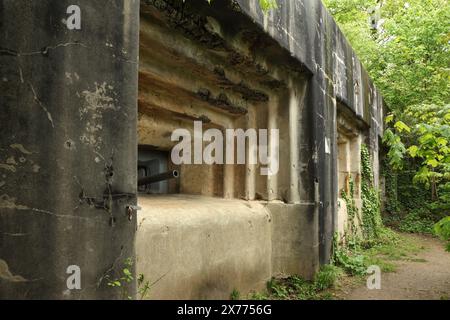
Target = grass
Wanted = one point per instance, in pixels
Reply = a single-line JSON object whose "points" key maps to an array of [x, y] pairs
{"points": [[386, 254], [349, 269], [235, 295]]}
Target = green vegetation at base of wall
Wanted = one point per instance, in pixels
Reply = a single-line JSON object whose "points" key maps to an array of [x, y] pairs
{"points": [[350, 264], [296, 288]]}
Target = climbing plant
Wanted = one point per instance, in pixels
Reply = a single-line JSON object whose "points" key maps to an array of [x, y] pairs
{"points": [[371, 214], [352, 210]]}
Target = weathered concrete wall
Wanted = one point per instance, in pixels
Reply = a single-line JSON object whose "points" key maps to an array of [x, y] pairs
{"points": [[67, 138], [295, 239]]}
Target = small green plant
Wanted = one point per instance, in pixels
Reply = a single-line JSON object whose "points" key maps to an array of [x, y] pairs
{"points": [[327, 277], [126, 278], [277, 289], [143, 286], [351, 262], [235, 295], [267, 5]]}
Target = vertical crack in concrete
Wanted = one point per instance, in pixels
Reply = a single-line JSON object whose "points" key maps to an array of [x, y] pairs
{"points": [[39, 102]]}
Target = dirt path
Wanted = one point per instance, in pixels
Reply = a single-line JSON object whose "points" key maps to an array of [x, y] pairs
{"points": [[429, 279]]}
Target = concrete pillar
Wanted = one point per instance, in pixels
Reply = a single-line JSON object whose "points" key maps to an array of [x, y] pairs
{"points": [[68, 149]]}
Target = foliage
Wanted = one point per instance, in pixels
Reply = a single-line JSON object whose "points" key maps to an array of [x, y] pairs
{"points": [[144, 286], [412, 211], [352, 210], [383, 251], [326, 277], [407, 56], [417, 221], [296, 288], [353, 259], [351, 262], [266, 5], [425, 138], [235, 295], [126, 278], [392, 204], [442, 229], [371, 214]]}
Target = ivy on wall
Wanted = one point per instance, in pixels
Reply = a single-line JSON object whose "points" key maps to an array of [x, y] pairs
{"points": [[371, 213], [352, 210], [370, 223]]}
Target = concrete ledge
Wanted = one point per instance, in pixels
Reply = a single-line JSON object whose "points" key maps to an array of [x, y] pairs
{"points": [[203, 248]]}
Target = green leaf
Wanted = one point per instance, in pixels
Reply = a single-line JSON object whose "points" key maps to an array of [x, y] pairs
{"points": [[266, 5], [389, 118], [442, 141], [433, 162], [401, 126], [413, 151], [126, 272]]}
